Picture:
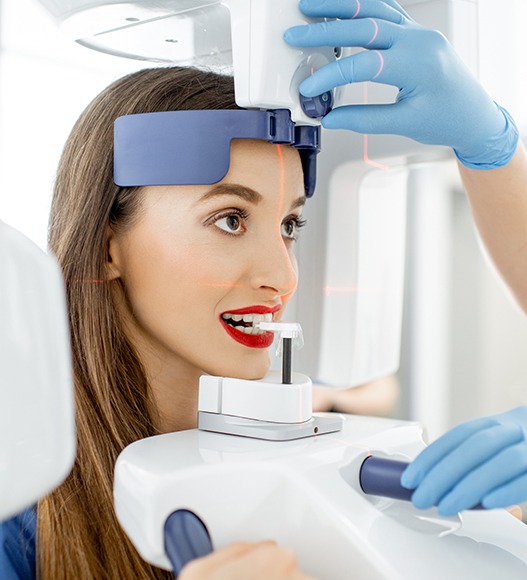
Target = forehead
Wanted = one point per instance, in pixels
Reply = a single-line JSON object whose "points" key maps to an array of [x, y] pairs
{"points": [[258, 171], [265, 166]]}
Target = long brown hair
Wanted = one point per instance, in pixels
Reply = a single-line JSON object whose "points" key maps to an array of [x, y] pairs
{"points": [[78, 534]]}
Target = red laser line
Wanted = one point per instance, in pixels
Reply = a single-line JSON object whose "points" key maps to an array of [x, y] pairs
{"points": [[366, 156], [281, 203], [87, 281], [358, 10]]}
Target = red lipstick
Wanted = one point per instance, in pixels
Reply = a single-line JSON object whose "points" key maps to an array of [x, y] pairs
{"points": [[251, 340], [255, 310]]}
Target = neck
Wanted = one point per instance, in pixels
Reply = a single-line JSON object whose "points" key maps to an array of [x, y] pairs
{"points": [[174, 398], [173, 383]]}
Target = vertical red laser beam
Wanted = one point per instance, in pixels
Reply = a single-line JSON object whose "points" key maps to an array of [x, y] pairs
{"points": [[366, 156], [281, 201]]}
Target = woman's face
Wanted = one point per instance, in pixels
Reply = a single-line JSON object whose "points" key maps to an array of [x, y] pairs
{"points": [[201, 260]]}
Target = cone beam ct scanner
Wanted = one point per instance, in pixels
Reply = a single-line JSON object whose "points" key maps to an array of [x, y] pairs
{"points": [[261, 465]]}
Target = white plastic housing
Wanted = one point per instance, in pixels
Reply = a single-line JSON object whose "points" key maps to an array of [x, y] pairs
{"points": [[37, 430], [219, 34], [264, 400], [352, 266], [305, 494], [267, 71]]}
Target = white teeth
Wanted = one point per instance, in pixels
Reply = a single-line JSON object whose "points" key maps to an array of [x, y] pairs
{"points": [[249, 330], [257, 318], [251, 318]]}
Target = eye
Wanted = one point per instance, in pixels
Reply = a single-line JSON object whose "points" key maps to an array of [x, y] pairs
{"points": [[291, 227], [232, 223]]}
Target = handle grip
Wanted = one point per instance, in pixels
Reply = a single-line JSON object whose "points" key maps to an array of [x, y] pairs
{"points": [[186, 538]]}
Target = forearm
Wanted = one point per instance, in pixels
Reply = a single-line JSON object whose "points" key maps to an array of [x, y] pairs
{"points": [[498, 199], [375, 398]]}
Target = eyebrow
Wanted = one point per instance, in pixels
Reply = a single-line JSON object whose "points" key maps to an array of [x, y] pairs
{"points": [[244, 192]]}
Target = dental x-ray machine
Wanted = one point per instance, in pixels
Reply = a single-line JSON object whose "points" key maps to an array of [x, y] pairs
{"points": [[261, 465], [37, 430]]}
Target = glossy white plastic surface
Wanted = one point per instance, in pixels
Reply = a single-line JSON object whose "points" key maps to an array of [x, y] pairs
{"points": [[305, 494], [226, 35], [364, 274], [264, 400], [245, 36], [37, 431]]}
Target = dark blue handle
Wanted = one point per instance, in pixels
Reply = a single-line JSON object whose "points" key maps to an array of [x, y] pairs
{"points": [[186, 538], [383, 477], [316, 107], [379, 476]]}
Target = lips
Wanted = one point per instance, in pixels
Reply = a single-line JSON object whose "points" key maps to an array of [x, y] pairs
{"points": [[263, 340], [256, 310]]}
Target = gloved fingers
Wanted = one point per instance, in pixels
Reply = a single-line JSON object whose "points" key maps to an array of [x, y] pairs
{"points": [[501, 469], [434, 453], [369, 65], [511, 493], [366, 119], [366, 33], [387, 9], [518, 415], [472, 453]]}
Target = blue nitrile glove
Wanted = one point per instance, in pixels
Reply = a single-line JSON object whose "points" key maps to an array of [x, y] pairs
{"points": [[439, 102], [481, 461]]}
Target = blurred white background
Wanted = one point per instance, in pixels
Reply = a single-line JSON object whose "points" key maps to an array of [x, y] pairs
{"points": [[464, 341], [46, 80]]}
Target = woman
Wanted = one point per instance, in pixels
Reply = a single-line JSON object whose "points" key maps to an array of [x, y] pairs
{"points": [[153, 276]]}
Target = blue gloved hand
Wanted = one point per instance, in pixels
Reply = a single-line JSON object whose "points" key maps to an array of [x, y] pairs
{"points": [[439, 102], [481, 461]]}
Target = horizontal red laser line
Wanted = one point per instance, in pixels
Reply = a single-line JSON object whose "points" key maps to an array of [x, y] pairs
{"points": [[87, 280]]}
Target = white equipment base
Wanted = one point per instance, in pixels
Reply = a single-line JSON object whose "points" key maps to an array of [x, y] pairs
{"points": [[305, 495], [265, 429]]}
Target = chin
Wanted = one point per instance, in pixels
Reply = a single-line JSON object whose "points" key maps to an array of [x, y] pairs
{"points": [[248, 373], [251, 375]]}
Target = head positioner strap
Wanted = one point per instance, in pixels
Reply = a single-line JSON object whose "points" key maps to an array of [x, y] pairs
{"points": [[193, 147]]}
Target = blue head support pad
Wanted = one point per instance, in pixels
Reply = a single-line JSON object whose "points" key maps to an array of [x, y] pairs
{"points": [[193, 147]]}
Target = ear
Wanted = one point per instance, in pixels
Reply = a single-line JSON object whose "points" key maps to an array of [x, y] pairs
{"points": [[114, 258]]}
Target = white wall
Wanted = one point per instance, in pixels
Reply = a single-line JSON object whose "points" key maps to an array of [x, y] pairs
{"points": [[46, 80], [464, 338]]}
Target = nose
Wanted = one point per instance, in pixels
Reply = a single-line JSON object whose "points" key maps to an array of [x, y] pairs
{"points": [[275, 268]]}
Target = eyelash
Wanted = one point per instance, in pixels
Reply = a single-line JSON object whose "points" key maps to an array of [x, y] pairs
{"points": [[244, 215], [299, 224], [241, 213]]}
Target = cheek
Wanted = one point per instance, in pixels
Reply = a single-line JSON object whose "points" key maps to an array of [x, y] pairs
{"points": [[206, 266], [178, 279]]}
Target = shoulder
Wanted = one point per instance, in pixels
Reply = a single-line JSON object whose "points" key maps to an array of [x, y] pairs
{"points": [[17, 546]]}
